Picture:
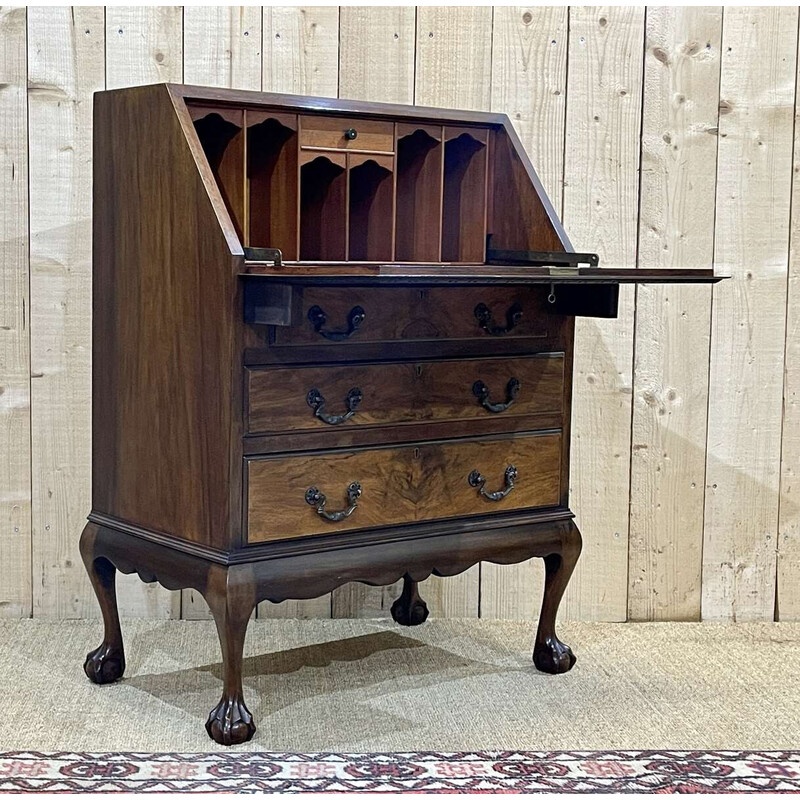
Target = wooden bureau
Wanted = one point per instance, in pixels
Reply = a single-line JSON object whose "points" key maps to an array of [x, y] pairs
{"points": [[332, 342]]}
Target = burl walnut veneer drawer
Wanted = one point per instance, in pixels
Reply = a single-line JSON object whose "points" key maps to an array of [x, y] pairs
{"points": [[320, 398], [342, 133], [333, 315], [396, 485]]}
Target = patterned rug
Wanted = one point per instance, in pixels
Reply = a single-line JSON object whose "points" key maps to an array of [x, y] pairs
{"points": [[640, 771]]}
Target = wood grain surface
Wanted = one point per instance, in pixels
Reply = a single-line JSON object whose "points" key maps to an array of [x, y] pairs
{"points": [[400, 393], [15, 357], [748, 331], [399, 485], [408, 314], [673, 323], [601, 203]]}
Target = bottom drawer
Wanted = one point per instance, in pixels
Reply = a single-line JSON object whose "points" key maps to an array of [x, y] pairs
{"points": [[399, 485]]}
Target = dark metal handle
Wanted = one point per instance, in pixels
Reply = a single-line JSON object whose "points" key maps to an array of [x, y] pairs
{"points": [[315, 399], [477, 481], [351, 133], [318, 318], [484, 316], [481, 391], [314, 497]]}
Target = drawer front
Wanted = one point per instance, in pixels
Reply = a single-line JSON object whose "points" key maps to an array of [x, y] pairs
{"points": [[400, 485], [330, 132], [325, 398], [328, 315]]}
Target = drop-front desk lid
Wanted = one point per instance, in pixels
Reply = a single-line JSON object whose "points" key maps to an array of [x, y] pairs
{"points": [[588, 291], [501, 267], [355, 274]]}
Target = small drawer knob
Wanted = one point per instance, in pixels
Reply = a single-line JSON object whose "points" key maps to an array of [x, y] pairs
{"points": [[350, 134]]}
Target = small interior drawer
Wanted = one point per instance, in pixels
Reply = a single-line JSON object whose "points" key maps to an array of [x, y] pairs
{"points": [[342, 133], [399, 485], [362, 395]]}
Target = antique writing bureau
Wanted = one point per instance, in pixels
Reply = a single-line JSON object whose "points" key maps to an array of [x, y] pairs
{"points": [[332, 342]]}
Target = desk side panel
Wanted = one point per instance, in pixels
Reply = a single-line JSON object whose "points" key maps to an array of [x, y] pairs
{"points": [[521, 216], [166, 374]]}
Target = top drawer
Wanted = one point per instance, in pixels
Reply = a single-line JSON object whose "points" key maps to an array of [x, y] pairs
{"points": [[341, 133], [330, 315]]}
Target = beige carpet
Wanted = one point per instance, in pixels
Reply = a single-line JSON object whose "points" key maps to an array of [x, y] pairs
{"points": [[365, 685]]}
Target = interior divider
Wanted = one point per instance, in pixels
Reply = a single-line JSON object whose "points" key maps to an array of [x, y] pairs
{"points": [[271, 195], [371, 207], [323, 206], [420, 170], [221, 134], [464, 194]]}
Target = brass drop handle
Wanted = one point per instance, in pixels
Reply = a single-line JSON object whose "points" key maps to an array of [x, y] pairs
{"points": [[481, 391], [315, 399], [350, 134], [484, 316], [477, 481], [318, 318], [314, 497]]}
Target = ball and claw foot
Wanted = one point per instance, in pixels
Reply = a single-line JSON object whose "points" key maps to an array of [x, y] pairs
{"points": [[414, 613], [230, 722], [553, 656], [105, 664]]}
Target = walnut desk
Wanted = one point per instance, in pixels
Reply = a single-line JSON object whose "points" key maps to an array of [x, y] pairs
{"points": [[332, 342]]}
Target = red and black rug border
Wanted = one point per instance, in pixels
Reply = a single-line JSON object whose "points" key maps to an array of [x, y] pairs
{"points": [[490, 772]]}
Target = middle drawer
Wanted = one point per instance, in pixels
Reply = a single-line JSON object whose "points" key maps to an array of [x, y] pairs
{"points": [[319, 398]]}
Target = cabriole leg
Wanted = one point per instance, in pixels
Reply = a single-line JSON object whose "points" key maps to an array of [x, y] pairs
{"points": [[106, 663], [231, 603], [549, 653], [409, 608]]}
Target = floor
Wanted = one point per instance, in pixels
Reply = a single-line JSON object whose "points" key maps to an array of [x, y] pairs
{"points": [[362, 685]]}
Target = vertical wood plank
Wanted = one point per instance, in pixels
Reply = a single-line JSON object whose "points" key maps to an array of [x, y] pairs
{"points": [[529, 83], [377, 53], [15, 399], [749, 312], [301, 50], [454, 57], [601, 197], [144, 44], [376, 63], [453, 70], [65, 66], [301, 55], [788, 589], [673, 323], [221, 47]]}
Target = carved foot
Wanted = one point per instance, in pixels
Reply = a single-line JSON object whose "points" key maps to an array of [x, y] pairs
{"points": [[230, 722], [409, 608], [105, 664], [409, 613], [553, 656]]}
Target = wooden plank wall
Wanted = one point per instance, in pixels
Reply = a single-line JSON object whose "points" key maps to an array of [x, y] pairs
{"points": [[665, 136]]}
